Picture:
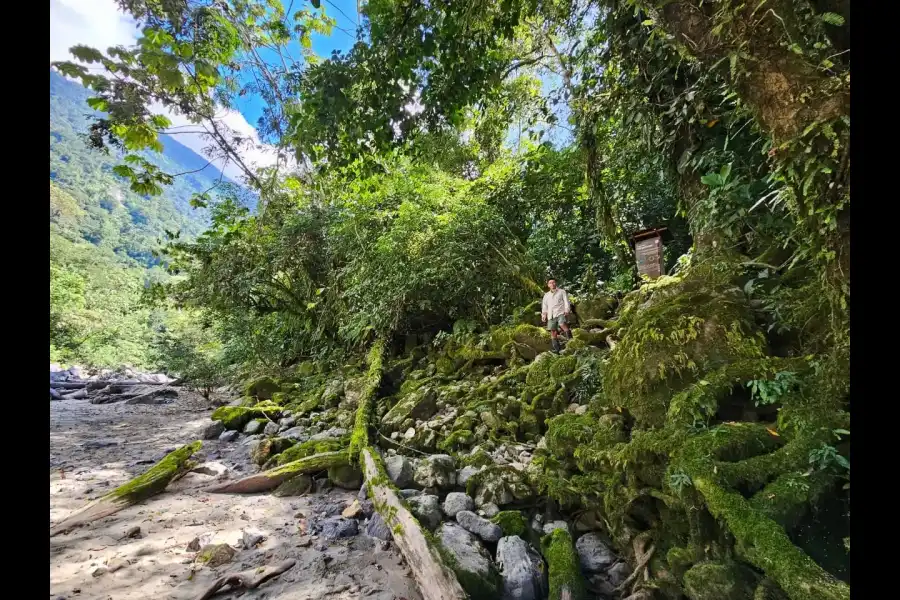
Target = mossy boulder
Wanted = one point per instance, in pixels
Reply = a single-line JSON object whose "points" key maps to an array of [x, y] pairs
{"points": [[236, 417], [267, 448], [719, 581], [436, 471], [500, 485], [346, 477], [419, 404], [512, 522], [261, 388], [562, 566], [524, 341], [215, 555], [470, 560], [596, 307], [680, 332]]}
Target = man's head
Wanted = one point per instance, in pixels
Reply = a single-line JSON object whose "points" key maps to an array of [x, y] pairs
{"points": [[551, 283]]}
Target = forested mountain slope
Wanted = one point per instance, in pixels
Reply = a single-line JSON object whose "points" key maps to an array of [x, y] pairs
{"points": [[103, 236]]}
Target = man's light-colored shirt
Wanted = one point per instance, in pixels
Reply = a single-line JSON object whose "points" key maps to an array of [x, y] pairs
{"points": [[555, 303]]}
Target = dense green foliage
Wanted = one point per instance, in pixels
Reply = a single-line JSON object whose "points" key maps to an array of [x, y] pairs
{"points": [[436, 194]]}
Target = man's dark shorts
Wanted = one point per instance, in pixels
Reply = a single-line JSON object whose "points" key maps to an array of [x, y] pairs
{"points": [[554, 323]]}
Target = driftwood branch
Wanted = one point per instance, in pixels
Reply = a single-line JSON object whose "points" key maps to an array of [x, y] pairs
{"points": [[152, 482], [269, 480], [246, 580]]}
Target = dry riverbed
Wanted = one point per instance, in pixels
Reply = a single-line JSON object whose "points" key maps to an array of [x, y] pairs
{"points": [[96, 447]]}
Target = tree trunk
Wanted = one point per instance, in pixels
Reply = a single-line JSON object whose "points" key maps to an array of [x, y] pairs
{"points": [[435, 579], [784, 89]]}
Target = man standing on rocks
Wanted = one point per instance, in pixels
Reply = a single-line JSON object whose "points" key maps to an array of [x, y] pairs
{"points": [[554, 310]]}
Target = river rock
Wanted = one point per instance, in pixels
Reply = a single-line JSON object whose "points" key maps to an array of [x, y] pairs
{"points": [[54, 395], [469, 554], [216, 555], [400, 469], [251, 537], [213, 430], [521, 568], [455, 502], [489, 510], [553, 526], [593, 553], [420, 404], [253, 427], [296, 433], [271, 428], [436, 471], [339, 527], [464, 474], [489, 532], [427, 510], [377, 528], [228, 436], [502, 486], [346, 477], [329, 434]]}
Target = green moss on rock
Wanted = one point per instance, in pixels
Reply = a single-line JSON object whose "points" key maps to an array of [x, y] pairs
{"points": [[719, 581], [668, 343], [261, 388], [512, 522], [268, 448], [565, 578], [305, 449], [235, 417]]}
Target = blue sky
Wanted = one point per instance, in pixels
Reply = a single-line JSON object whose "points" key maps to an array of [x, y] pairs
{"points": [[341, 38]]}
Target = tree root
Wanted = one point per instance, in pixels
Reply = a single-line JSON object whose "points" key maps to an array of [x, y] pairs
{"points": [[246, 580], [643, 559]]}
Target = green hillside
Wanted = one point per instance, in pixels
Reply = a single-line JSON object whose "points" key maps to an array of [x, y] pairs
{"points": [[103, 237]]}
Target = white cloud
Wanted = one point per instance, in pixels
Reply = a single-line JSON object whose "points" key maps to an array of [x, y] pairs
{"points": [[100, 24]]}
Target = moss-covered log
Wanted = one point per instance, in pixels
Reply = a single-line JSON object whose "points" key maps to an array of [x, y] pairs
{"points": [[152, 482], [435, 579], [269, 480], [562, 564], [360, 436]]}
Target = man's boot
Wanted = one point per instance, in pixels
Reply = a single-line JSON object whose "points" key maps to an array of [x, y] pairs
{"points": [[568, 334], [555, 343]]}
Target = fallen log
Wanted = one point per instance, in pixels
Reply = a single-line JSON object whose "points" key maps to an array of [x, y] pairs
{"points": [[68, 385], [76, 395], [247, 580], [158, 396], [269, 480], [153, 481], [435, 579]]}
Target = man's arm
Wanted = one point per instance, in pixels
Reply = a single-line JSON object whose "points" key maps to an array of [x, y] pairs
{"points": [[567, 307], [544, 308]]}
